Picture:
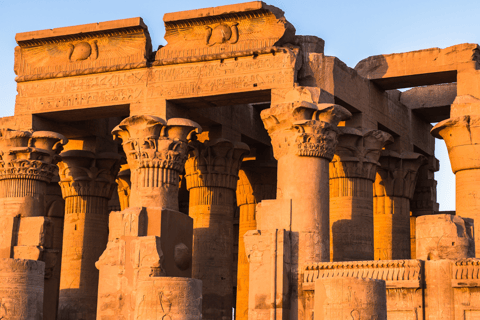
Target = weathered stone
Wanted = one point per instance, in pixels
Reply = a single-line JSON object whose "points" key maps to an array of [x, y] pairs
{"points": [[339, 298]]}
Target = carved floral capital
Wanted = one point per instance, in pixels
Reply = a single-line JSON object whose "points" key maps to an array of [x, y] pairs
{"points": [[83, 173], [397, 174], [29, 155], [462, 137], [151, 142], [304, 128], [214, 163], [357, 153]]}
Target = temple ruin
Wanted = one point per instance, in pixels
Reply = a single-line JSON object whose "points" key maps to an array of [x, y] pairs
{"points": [[236, 168]]}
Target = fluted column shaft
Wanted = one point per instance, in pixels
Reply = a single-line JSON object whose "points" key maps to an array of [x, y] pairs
{"points": [[87, 182], [352, 172], [462, 137], [211, 176], [393, 189], [257, 181]]}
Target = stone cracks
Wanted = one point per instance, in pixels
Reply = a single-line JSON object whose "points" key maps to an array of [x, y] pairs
{"points": [[304, 128]]}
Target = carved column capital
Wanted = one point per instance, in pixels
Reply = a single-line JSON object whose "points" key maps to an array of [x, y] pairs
{"points": [[151, 142], [82, 173], [397, 174], [462, 137], [214, 163], [29, 155], [257, 181], [357, 153], [304, 128]]}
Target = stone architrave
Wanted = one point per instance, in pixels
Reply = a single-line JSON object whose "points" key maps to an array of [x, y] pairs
{"points": [[21, 289], [304, 137], [87, 181], [124, 187], [350, 298], [352, 173], [462, 137], [145, 270], [211, 173], [257, 181], [393, 189]]}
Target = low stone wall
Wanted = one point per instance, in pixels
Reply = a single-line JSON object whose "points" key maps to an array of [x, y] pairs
{"points": [[404, 283]]}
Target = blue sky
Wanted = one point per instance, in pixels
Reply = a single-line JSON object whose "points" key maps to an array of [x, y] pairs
{"points": [[352, 30]]}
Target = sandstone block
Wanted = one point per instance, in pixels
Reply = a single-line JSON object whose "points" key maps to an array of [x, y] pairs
{"points": [[350, 298], [8, 225], [35, 231], [129, 222], [443, 236]]}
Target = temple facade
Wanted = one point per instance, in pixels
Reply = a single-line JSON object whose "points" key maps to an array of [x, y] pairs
{"points": [[236, 173]]}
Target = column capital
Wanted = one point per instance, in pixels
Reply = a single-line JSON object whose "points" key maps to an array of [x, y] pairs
{"points": [[462, 137], [357, 153], [214, 163], [82, 173], [257, 181], [397, 174], [304, 128], [151, 142], [29, 155]]}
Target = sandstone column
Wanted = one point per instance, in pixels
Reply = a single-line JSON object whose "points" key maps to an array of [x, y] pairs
{"points": [[350, 298], [257, 181], [30, 226], [293, 229], [145, 270], [21, 289], [87, 181], [352, 172], [393, 189], [124, 187], [211, 175], [462, 137]]}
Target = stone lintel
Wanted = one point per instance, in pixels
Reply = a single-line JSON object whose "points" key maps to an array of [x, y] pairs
{"points": [[417, 68], [432, 103], [67, 33]]}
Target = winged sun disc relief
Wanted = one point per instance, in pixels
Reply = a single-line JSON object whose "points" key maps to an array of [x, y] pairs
{"points": [[82, 51], [222, 34]]}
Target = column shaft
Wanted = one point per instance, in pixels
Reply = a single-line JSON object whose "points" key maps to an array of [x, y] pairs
{"points": [[467, 197], [351, 219]]}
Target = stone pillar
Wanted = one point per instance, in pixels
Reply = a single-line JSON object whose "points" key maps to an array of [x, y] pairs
{"points": [[461, 135], [257, 181], [304, 137], [21, 289], [27, 164], [350, 298], [124, 187], [211, 173], [393, 189], [145, 270], [30, 224], [352, 172], [87, 181]]}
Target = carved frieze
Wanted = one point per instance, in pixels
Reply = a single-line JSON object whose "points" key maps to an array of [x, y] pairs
{"points": [[304, 128], [92, 48], [235, 30]]}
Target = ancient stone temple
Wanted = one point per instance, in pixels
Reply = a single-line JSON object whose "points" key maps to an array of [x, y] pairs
{"points": [[237, 172]]}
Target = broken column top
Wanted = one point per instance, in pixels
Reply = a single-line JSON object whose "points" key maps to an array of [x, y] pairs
{"points": [[232, 29]]}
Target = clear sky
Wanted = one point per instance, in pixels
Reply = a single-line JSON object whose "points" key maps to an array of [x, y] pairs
{"points": [[352, 30]]}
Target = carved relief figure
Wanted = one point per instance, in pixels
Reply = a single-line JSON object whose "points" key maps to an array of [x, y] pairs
{"points": [[82, 51], [221, 34]]}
